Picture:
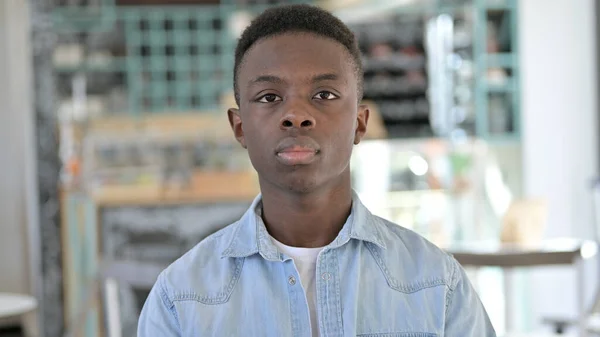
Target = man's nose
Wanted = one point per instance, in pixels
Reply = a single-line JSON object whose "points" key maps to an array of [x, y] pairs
{"points": [[297, 116]]}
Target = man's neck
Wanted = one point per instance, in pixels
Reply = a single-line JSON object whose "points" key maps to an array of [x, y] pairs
{"points": [[306, 219]]}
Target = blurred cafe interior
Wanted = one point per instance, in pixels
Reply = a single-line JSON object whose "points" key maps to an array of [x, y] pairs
{"points": [[117, 156]]}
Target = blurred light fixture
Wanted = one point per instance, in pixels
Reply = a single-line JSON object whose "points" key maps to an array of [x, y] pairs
{"points": [[418, 165], [588, 249]]}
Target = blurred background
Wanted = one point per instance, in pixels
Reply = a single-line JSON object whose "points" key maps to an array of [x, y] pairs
{"points": [[116, 156]]}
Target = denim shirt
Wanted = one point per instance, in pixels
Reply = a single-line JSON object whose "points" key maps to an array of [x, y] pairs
{"points": [[375, 279]]}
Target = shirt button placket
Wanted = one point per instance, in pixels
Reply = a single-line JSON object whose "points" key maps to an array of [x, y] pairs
{"points": [[329, 303], [300, 323]]}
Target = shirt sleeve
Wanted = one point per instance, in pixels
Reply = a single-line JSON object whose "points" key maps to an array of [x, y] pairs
{"points": [[465, 314], [159, 316]]}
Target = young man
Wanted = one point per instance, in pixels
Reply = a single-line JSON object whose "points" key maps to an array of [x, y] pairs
{"points": [[308, 259]]}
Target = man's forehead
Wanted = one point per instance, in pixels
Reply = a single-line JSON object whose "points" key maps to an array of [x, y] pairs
{"points": [[303, 47], [320, 60]]}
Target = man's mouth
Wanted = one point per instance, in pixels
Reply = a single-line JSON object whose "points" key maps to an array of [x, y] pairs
{"points": [[297, 151], [297, 156]]}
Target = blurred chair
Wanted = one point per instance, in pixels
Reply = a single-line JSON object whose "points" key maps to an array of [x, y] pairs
{"points": [[124, 273], [112, 276], [590, 322], [593, 321]]}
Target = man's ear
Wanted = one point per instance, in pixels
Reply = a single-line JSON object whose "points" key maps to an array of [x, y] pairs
{"points": [[362, 119], [236, 125]]}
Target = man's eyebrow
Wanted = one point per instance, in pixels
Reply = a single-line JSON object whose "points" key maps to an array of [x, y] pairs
{"points": [[268, 79], [278, 80], [325, 77]]}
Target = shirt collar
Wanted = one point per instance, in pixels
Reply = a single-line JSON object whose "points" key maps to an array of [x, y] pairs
{"points": [[250, 235]]}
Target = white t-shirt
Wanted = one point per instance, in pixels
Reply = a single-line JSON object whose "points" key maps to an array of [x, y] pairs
{"points": [[305, 260]]}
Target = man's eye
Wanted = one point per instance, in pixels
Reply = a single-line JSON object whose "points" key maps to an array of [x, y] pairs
{"points": [[325, 95], [269, 98]]}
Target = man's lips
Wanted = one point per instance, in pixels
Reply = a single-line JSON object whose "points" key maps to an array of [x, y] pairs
{"points": [[297, 151], [297, 156]]}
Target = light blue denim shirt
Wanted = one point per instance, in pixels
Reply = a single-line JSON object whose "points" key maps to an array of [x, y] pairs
{"points": [[375, 279]]}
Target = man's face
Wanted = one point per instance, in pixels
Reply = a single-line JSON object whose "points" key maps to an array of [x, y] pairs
{"points": [[298, 114]]}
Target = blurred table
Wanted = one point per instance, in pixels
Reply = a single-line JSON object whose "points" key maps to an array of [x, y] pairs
{"points": [[569, 252], [12, 305], [17, 306]]}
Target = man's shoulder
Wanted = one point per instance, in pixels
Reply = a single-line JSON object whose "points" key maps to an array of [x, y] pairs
{"points": [[411, 257], [395, 235], [200, 264], [206, 251]]}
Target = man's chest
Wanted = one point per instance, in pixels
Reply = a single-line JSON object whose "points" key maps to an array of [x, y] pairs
{"points": [[351, 299]]}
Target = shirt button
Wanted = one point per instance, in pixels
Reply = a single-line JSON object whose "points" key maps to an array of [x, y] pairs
{"points": [[292, 280], [326, 276]]}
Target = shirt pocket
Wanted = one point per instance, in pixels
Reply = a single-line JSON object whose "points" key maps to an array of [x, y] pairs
{"points": [[399, 334], [386, 312]]}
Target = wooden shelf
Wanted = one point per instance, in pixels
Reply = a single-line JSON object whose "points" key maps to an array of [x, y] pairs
{"points": [[217, 187]]}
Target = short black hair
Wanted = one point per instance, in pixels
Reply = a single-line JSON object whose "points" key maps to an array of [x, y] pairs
{"points": [[297, 19]]}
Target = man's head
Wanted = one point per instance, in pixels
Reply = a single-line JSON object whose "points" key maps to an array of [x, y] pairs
{"points": [[294, 19], [298, 83]]}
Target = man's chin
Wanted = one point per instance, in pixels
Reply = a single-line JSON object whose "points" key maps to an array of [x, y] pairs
{"points": [[297, 182], [301, 187]]}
